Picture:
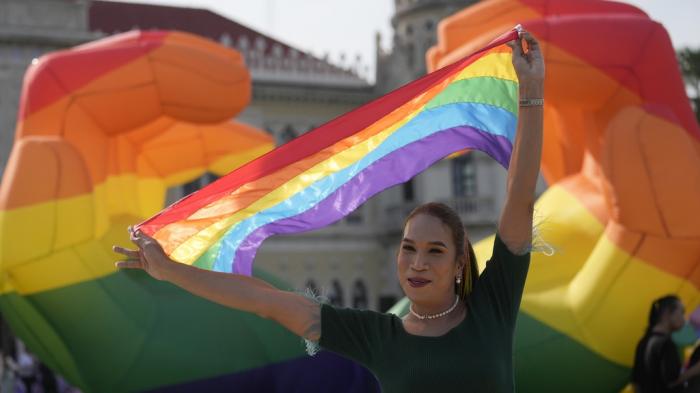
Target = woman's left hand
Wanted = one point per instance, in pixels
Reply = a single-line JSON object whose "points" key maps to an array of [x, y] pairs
{"points": [[528, 63]]}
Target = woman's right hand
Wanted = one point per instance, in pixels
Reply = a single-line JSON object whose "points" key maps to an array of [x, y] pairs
{"points": [[299, 314], [149, 256]]}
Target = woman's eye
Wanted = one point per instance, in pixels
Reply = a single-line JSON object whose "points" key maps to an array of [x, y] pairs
{"points": [[435, 251], [408, 248]]}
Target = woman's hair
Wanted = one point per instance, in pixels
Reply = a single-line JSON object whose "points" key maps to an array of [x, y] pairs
{"points": [[470, 272], [661, 306]]}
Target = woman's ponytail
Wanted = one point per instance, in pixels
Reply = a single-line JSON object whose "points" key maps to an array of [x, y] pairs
{"points": [[470, 271]]}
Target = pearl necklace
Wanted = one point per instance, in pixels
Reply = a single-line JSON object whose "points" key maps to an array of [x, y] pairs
{"points": [[434, 316]]}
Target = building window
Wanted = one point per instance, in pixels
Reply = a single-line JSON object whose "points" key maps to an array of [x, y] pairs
{"points": [[410, 55], [355, 217], [288, 134], [243, 43], [409, 30], [408, 191], [198, 183], [335, 297], [175, 193], [226, 40], [429, 24], [428, 44], [386, 302], [464, 176], [260, 44], [359, 295], [190, 187]]}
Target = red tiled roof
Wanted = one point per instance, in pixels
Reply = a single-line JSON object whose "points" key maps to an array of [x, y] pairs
{"points": [[110, 17]]}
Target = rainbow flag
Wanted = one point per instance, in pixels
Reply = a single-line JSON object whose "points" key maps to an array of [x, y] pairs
{"points": [[327, 173]]}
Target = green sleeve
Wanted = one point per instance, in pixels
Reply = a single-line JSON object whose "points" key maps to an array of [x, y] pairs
{"points": [[355, 334], [500, 286]]}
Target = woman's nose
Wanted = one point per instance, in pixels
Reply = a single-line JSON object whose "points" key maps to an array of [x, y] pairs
{"points": [[419, 262]]}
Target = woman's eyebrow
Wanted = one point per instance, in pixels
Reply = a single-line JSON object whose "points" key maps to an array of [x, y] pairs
{"points": [[434, 243], [438, 243]]}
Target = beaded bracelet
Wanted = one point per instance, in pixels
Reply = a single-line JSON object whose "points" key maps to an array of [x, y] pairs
{"points": [[532, 102]]}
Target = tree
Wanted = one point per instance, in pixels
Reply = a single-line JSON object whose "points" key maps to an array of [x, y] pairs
{"points": [[689, 61]]}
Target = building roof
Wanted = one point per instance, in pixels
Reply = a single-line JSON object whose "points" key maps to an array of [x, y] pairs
{"points": [[267, 58]]}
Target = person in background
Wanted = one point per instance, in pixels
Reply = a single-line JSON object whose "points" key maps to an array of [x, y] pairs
{"points": [[657, 362], [8, 353]]}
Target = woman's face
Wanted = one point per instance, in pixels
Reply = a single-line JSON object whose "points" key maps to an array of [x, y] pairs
{"points": [[677, 317], [426, 262]]}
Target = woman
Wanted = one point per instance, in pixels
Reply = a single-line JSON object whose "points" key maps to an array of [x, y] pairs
{"points": [[657, 363], [459, 332]]}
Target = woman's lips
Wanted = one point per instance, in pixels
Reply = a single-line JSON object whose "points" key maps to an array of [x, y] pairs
{"points": [[418, 282]]}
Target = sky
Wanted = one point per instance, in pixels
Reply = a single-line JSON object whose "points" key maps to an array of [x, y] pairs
{"points": [[348, 27]]}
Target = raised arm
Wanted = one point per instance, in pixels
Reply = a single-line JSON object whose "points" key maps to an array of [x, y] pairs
{"points": [[515, 226], [302, 316]]}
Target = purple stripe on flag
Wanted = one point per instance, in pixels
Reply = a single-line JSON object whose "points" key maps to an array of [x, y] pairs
{"points": [[394, 168]]}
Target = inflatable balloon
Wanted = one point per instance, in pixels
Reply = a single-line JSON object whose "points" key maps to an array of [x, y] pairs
{"points": [[104, 129], [622, 158]]}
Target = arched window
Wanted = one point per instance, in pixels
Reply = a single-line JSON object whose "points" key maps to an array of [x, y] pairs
{"points": [[198, 183], [335, 297], [464, 176], [410, 55], [408, 191], [288, 134], [359, 295]]}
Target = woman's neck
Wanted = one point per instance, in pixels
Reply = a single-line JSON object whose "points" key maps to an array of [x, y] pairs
{"points": [[424, 309], [435, 327], [662, 328]]}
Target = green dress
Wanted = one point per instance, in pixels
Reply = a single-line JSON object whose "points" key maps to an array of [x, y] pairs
{"points": [[475, 356]]}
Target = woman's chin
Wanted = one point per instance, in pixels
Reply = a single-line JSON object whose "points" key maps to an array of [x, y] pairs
{"points": [[417, 295]]}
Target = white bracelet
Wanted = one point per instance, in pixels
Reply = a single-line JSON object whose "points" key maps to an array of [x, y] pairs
{"points": [[531, 101]]}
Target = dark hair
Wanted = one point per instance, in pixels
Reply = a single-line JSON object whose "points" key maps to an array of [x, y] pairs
{"points": [[470, 272], [661, 306]]}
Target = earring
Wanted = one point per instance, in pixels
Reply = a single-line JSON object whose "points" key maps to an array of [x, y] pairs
{"points": [[459, 280]]}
